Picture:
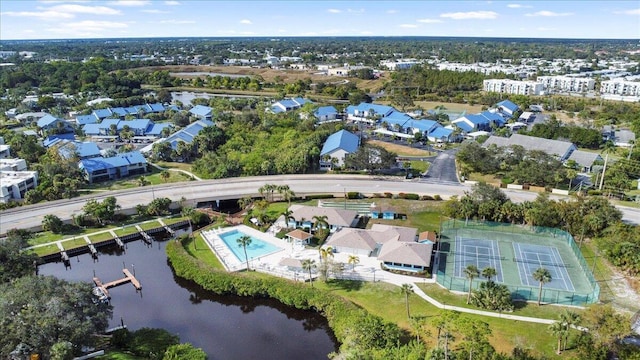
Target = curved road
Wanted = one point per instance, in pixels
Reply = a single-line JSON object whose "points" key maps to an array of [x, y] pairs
{"points": [[31, 216]]}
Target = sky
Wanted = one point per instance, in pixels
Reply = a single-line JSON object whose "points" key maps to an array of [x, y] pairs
{"points": [[78, 19]]}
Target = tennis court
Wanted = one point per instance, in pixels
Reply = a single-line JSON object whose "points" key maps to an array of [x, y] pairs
{"points": [[479, 252], [532, 257], [516, 252]]}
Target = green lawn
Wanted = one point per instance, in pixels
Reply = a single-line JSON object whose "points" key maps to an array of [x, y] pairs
{"points": [[126, 230], [118, 355], [173, 220], [198, 249], [47, 236], [150, 225], [385, 300], [74, 243], [46, 250], [100, 237], [522, 308], [421, 166], [174, 165]]}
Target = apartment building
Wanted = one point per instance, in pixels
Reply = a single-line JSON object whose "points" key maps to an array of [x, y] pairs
{"points": [[506, 86], [566, 83], [620, 87], [14, 184]]}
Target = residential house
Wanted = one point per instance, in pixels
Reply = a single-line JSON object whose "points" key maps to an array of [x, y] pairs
{"points": [[401, 124], [507, 107], [202, 112], [406, 256], [326, 114], [50, 124], [336, 218], [560, 149], [82, 150], [82, 120], [184, 135], [5, 150], [13, 165], [286, 105], [620, 137], [368, 112], [336, 147], [472, 122], [14, 184], [99, 168], [584, 159]]}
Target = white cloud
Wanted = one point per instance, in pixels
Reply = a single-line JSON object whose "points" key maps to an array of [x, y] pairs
{"points": [[130, 3], [334, 11], [429, 21], [44, 15], [547, 13], [628, 12], [471, 15], [518, 6], [408, 26], [355, 11], [95, 25], [246, 21], [177, 22], [154, 11], [62, 1], [172, 3], [392, 11], [82, 9]]}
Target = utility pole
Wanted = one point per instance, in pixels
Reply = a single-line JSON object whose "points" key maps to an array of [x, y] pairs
{"points": [[604, 168]]}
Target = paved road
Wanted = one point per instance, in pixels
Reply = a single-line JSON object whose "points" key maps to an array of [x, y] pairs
{"points": [[443, 169], [31, 216]]}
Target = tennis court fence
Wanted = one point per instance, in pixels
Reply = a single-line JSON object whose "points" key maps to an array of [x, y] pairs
{"points": [[504, 232]]}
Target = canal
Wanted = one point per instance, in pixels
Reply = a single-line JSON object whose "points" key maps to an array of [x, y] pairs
{"points": [[225, 327]]}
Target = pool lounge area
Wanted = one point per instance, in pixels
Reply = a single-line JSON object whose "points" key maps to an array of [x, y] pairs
{"points": [[223, 242]]}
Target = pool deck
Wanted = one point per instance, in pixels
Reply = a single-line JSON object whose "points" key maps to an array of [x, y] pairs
{"points": [[367, 269]]}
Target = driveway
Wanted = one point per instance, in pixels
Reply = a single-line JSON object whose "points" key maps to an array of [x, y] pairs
{"points": [[443, 169]]}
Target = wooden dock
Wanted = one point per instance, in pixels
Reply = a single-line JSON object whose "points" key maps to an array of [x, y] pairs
{"points": [[145, 236], [128, 277]]}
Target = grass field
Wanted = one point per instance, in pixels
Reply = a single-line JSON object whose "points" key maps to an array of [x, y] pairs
{"points": [[470, 109], [401, 150], [46, 250]]}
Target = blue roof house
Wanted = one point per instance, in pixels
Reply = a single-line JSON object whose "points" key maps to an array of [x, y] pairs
{"points": [[367, 112], [50, 124], [337, 146], [186, 135], [472, 122], [83, 150], [102, 113], [440, 135], [326, 114], [99, 168], [86, 119], [288, 105], [202, 112], [507, 107], [51, 140]]}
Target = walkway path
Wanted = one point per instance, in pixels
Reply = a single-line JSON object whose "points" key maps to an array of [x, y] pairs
{"points": [[176, 170]]}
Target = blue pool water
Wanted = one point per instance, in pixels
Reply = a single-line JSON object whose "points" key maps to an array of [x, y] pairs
{"points": [[256, 249]]}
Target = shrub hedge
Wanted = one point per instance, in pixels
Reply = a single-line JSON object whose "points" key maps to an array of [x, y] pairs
{"points": [[353, 327]]}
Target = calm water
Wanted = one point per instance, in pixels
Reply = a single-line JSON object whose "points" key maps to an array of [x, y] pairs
{"points": [[256, 249], [226, 327]]}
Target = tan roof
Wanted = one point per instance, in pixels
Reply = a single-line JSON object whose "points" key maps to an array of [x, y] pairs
{"points": [[299, 234], [353, 238], [338, 217], [427, 235], [406, 253], [399, 233]]}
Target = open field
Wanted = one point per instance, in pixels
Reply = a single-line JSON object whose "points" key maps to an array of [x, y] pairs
{"points": [[401, 150], [428, 105]]}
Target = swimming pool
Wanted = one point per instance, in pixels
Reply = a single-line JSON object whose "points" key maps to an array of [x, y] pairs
{"points": [[256, 249]]}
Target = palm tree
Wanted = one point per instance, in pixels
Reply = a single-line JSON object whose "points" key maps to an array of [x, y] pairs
{"points": [[165, 175], [353, 260], [557, 329], [244, 241], [309, 265], [325, 253], [471, 272], [543, 276], [489, 272], [245, 202], [320, 221], [568, 319], [142, 181], [406, 289], [288, 217]]}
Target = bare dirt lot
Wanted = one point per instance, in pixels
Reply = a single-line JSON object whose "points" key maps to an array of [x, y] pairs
{"points": [[269, 74]]}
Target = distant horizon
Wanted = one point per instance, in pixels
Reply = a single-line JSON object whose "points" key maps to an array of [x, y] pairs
{"points": [[124, 19], [322, 37]]}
